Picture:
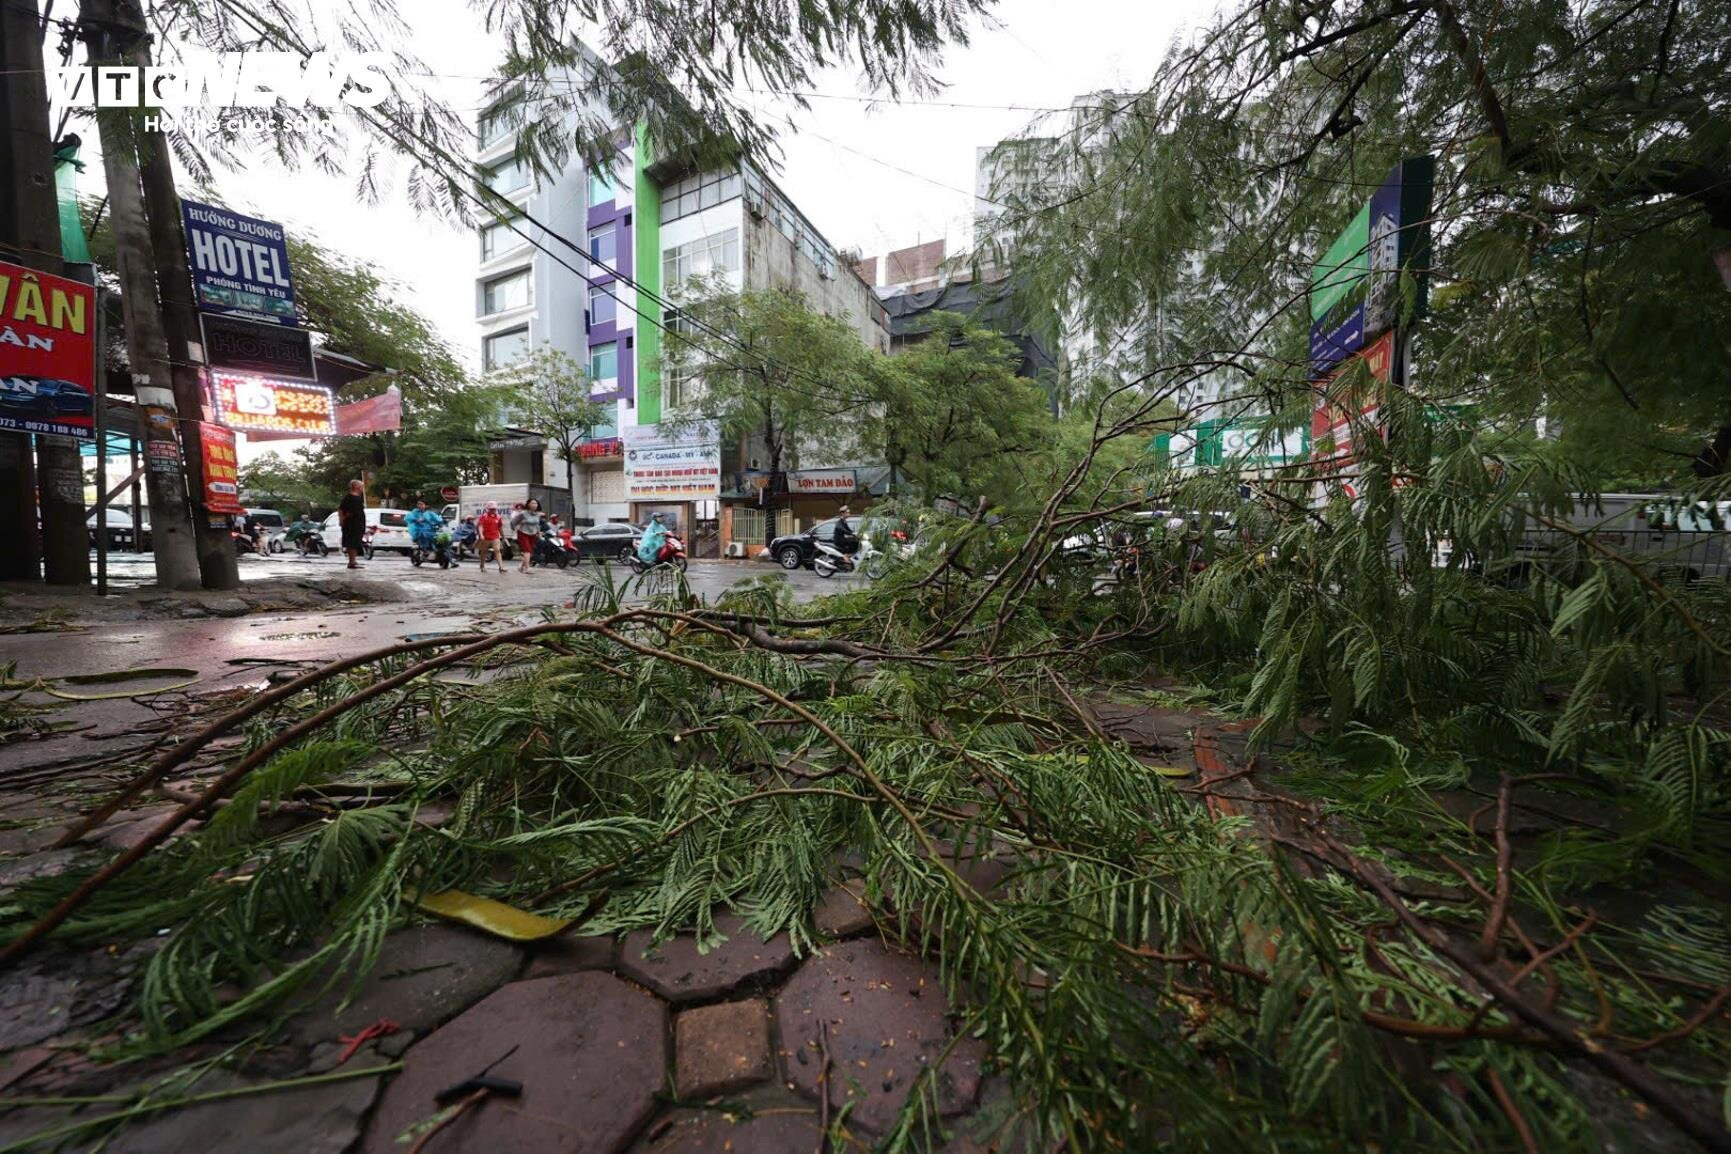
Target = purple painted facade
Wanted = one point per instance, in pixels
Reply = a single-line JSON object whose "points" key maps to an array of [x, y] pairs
{"points": [[620, 330]]}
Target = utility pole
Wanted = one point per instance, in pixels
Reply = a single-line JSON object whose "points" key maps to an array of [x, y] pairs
{"points": [[146, 344], [217, 565], [30, 235]]}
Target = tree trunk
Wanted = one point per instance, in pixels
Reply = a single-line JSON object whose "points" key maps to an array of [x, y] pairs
{"points": [[147, 347], [30, 235], [218, 566]]}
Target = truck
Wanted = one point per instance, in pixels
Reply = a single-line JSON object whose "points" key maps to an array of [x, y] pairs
{"points": [[471, 499]]}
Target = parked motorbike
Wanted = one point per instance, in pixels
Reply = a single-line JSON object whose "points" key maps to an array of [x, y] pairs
{"points": [[830, 560], [672, 553], [367, 542], [549, 550]]}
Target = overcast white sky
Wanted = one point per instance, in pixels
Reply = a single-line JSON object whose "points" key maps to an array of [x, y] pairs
{"points": [[872, 175]]}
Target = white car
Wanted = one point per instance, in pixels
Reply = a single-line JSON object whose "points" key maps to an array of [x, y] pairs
{"points": [[390, 530]]}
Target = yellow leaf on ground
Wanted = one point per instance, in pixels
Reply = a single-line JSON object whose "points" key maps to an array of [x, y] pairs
{"points": [[496, 918], [1171, 770]]}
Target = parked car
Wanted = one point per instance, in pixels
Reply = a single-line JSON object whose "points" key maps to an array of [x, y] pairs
{"points": [[390, 530], [119, 524], [613, 541], [797, 550]]}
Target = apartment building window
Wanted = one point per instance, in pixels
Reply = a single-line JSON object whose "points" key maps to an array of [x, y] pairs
{"points": [[684, 386], [603, 307], [508, 177], [604, 245], [503, 293], [697, 192], [499, 238], [501, 349], [603, 186], [718, 252], [604, 362]]}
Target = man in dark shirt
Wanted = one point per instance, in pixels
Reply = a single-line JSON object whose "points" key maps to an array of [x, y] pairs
{"points": [[352, 512], [846, 540]]}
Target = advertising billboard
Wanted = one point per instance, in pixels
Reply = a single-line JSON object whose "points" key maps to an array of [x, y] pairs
{"points": [[841, 481], [1332, 422], [663, 464], [1355, 289], [251, 347], [252, 403], [221, 469], [47, 353], [240, 264]]}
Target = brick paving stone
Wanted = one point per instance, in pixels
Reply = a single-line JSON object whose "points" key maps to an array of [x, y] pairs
{"points": [[591, 1053], [843, 912], [721, 1048], [765, 1121], [569, 955], [677, 972], [424, 975], [54, 992], [887, 1019], [321, 1119]]}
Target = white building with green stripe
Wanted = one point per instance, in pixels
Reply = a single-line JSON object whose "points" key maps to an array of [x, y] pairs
{"points": [[591, 267]]}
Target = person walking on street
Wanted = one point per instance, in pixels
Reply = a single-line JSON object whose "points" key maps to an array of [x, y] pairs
{"points": [[528, 525], [352, 512], [491, 527]]}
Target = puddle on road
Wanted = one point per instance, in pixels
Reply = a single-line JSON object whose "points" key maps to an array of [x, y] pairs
{"points": [[304, 635]]}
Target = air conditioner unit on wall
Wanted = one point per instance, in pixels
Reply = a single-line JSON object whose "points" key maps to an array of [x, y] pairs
{"points": [[736, 548]]}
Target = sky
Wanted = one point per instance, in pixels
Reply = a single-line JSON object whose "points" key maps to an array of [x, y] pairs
{"points": [[871, 175]]}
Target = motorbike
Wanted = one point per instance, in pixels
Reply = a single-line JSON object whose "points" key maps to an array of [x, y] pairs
{"points": [[672, 553], [549, 550], [463, 543], [367, 542], [243, 543], [440, 551], [830, 560]]}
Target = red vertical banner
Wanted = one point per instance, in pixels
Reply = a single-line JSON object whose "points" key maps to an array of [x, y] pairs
{"points": [[221, 469]]}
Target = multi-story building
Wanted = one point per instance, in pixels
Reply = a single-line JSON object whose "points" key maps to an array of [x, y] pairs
{"points": [[605, 259]]}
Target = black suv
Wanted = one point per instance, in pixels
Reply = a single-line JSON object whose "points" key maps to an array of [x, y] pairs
{"points": [[797, 550], [613, 541]]}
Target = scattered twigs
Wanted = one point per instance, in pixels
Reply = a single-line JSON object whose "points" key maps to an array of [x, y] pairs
{"points": [[186, 750], [1507, 1102], [1568, 1034], [1505, 883], [1700, 1018]]}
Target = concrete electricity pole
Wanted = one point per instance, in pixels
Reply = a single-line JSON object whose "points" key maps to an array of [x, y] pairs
{"points": [[30, 235], [146, 344], [217, 565]]}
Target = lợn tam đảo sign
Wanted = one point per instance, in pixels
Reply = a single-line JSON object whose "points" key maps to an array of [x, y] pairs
{"points": [[664, 465], [252, 403], [840, 481], [240, 264], [47, 353]]}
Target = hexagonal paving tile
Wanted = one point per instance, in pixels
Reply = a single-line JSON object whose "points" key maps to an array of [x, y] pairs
{"points": [[591, 1053], [766, 1121], [887, 1019], [424, 975], [318, 1119], [677, 972]]}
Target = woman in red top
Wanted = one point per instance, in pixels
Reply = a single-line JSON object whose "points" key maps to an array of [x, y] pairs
{"points": [[491, 528]]}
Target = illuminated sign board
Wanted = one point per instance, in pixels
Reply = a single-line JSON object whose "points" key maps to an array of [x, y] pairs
{"points": [[266, 405]]}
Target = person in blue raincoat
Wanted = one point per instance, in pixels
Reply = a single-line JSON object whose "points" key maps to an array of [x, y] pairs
{"points": [[654, 537], [422, 523]]}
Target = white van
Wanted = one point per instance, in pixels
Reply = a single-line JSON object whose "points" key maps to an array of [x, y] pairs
{"points": [[390, 530]]}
